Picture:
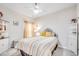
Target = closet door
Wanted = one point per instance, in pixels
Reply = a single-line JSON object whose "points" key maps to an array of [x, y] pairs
{"points": [[73, 38], [78, 29]]}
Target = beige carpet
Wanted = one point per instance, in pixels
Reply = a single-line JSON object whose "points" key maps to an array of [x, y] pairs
{"points": [[63, 52]]}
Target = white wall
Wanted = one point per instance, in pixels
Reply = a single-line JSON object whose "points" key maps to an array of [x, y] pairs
{"points": [[15, 32], [78, 23], [60, 23], [78, 10]]}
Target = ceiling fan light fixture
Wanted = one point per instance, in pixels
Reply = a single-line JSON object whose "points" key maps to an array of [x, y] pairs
{"points": [[37, 9]]}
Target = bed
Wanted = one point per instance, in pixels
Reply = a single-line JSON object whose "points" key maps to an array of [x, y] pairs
{"points": [[43, 46]]}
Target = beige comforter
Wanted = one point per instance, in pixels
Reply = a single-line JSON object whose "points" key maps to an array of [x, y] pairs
{"points": [[38, 47]]}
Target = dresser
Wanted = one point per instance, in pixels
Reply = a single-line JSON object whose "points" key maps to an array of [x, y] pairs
{"points": [[3, 45]]}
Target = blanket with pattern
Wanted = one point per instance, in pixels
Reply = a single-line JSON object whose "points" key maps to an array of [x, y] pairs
{"points": [[38, 47]]}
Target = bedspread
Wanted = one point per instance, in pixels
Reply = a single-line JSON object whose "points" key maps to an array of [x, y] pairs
{"points": [[38, 47]]}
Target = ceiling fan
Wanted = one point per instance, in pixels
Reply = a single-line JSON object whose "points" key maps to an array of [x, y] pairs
{"points": [[36, 9]]}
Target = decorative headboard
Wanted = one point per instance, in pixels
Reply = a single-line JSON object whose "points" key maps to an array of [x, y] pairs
{"points": [[48, 33]]}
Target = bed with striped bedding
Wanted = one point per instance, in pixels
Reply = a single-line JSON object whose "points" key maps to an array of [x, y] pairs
{"points": [[38, 46]]}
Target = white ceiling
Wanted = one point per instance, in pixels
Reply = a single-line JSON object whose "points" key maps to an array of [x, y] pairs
{"points": [[26, 8]]}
